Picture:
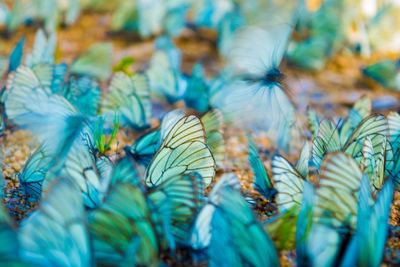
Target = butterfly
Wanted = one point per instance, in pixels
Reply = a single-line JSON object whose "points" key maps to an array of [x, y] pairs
{"points": [[34, 172], [385, 73], [331, 139], [254, 96], [261, 181], [16, 55], [56, 234], [183, 150], [144, 148], [30, 104], [228, 231], [95, 62], [337, 192], [323, 30], [82, 91], [156, 214], [289, 180], [368, 242], [166, 80], [91, 174], [130, 97], [43, 49], [197, 91], [149, 18]]}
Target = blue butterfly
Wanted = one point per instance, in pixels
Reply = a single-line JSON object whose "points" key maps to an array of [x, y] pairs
{"points": [[56, 234], [228, 231], [254, 96]]}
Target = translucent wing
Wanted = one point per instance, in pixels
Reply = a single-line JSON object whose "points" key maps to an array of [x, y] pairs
{"points": [[183, 151], [327, 141], [130, 97], [261, 181], [124, 217], [56, 234], [82, 168], [361, 109], [84, 93], [227, 226], [313, 121], [95, 62], [125, 172], [185, 193], [258, 49], [32, 175], [51, 118], [337, 193], [302, 163], [196, 94], [374, 126], [304, 224], [144, 148], [166, 81], [213, 126], [368, 242], [43, 49], [258, 105], [288, 182]]}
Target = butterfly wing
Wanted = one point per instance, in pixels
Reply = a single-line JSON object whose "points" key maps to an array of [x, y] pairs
{"points": [[123, 217], [51, 118], [130, 97], [213, 126], [95, 62], [32, 175], [337, 193], [185, 193], [183, 151], [288, 182], [56, 234], [43, 49], [261, 181]]}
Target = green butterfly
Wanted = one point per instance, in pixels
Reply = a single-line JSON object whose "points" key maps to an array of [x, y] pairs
{"points": [[130, 97]]}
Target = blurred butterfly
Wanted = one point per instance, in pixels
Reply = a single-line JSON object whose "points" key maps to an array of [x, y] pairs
{"points": [[197, 91], [9, 255], [51, 118], [16, 55], [83, 92], [130, 97], [183, 150], [91, 174], [95, 62], [323, 29], [304, 225], [43, 49], [385, 73], [261, 181], [34, 172], [230, 234], [368, 242], [166, 79], [174, 202], [254, 97], [150, 18], [56, 234]]}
